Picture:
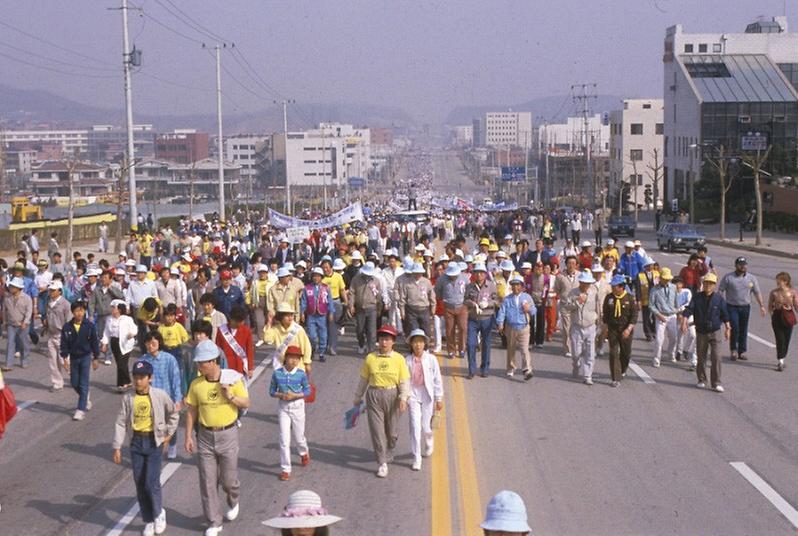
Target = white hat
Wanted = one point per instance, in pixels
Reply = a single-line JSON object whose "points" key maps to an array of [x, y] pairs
{"points": [[289, 266], [418, 268], [649, 261], [444, 257], [453, 270], [304, 510], [338, 264], [262, 268], [55, 285], [141, 269], [501, 254], [586, 244], [117, 303], [516, 279], [597, 269], [357, 256], [638, 243], [586, 277], [420, 247], [629, 244], [507, 266], [93, 272], [458, 253], [187, 257], [174, 271], [120, 271], [302, 264], [317, 270], [508, 237], [609, 242], [367, 269], [130, 262], [469, 258], [283, 272], [17, 282], [123, 254], [526, 265], [479, 267], [428, 253]]}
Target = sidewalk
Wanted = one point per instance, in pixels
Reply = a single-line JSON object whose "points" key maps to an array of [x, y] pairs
{"points": [[776, 244]]}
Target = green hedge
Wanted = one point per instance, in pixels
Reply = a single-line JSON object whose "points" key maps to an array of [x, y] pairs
{"points": [[780, 222]]}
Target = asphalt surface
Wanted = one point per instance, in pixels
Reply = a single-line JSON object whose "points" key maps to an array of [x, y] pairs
{"points": [[647, 458]]}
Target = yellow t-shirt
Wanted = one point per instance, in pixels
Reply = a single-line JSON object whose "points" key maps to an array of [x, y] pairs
{"points": [[276, 334], [336, 283], [145, 245], [144, 316], [385, 371], [142, 413], [173, 335], [214, 409], [77, 327], [263, 287]]}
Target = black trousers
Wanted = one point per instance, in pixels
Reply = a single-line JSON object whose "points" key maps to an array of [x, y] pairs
{"points": [[620, 353], [538, 333], [783, 334], [122, 363]]}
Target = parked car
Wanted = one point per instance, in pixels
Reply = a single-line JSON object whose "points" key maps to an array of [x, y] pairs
{"points": [[672, 236], [622, 226]]}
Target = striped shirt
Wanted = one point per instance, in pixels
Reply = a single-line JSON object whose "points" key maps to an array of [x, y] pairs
{"points": [[295, 381]]}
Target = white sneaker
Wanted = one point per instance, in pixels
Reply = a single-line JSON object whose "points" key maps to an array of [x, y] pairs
{"points": [[160, 522], [382, 470], [232, 513], [78, 415], [417, 465], [341, 331], [172, 453], [655, 364], [719, 389], [361, 350], [511, 373], [700, 385], [568, 354], [428, 449], [259, 344], [673, 359], [149, 530], [781, 365], [107, 362], [89, 405], [588, 381], [213, 531]]}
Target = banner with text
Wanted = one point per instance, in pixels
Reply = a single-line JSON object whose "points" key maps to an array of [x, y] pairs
{"points": [[350, 214]]}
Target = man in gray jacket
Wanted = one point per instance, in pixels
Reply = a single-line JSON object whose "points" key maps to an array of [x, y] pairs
{"points": [[58, 312], [150, 415], [365, 302], [18, 308], [100, 304], [585, 310]]}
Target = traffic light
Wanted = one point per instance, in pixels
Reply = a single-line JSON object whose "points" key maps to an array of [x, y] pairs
{"points": [[648, 195]]}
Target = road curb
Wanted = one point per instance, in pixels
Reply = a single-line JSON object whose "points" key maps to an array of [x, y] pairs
{"points": [[753, 249]]}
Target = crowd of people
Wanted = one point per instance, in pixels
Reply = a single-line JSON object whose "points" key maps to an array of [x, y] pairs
{"points": [[193, 303]]}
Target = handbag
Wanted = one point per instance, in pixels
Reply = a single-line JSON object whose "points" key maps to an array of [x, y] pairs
{"points": [[8, 407], [788, 317], [311, 398]]}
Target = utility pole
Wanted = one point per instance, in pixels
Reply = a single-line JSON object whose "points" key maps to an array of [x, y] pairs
{"points": [[71, 166], [324, 164], [285, 103], [129, 58], [581, 95], [220, 139], [120, 190]]}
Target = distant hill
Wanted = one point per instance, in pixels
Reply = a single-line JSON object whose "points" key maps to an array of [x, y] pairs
{"points": [[28, 107], [554, 108]]}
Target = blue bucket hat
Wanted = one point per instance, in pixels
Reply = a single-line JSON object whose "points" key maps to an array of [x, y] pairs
{"points": [[453, 270], [367, 269], [205, 351], [618, 280], [506, 512]]}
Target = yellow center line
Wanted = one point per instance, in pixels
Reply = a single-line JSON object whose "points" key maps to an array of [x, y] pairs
{"points": [[441, 496], [468, 486]]}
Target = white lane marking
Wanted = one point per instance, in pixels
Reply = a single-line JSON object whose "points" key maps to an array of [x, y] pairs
{"points": [[121, 525], [26, 405], [666, 254], [769, 493], [641, 373], [760, 340], [259, 370]]}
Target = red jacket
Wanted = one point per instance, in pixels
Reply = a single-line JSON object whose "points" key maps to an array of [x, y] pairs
{"points": [[244, 337]]}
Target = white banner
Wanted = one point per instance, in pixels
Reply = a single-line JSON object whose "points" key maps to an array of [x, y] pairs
{"points": [[296, 235], [351, 213]]}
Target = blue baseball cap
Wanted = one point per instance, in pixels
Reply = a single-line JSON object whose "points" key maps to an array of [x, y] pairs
{"points": [[142, 368]]}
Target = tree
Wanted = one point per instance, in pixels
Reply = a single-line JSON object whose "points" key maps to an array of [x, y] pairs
{"points": [[654, 172], [756, 162], [722, 167]]}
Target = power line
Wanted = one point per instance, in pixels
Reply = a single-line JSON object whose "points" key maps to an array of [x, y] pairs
{"points": [[50, 43], [65, 63], [254, 73], [200, 27], [46, 68], [169, 28]]}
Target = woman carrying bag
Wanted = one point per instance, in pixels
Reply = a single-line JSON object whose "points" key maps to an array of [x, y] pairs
{"points": [[782, 305]]}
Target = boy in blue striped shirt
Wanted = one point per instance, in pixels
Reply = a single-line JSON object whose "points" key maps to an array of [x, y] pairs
{"points": [[290, 385]]}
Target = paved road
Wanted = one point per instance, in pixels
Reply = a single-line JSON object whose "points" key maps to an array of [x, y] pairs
{"points": [[648, 458]]}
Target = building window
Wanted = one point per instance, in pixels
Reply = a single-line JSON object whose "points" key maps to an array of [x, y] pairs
{"points": [[659, 128], [717, 48], [647, 106], [688, 49], [707, 70], [635, 155], [637, 129], [636, 178], [702, 48]]}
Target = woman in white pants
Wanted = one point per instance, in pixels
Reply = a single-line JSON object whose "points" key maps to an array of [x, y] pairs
{"points": [[426, 395], [686, 340]]}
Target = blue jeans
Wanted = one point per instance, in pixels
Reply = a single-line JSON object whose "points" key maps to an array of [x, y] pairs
{"points": [[79, 368], [17, 337], [482, 327], [145, 458], [738, 318], [317, 333]]}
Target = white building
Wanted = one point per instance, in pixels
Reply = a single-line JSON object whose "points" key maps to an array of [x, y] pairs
{"points": [[463, 135], [636, 134], [248, 151], [569, 137], [72, 142], [720, 87], [508, 129]]}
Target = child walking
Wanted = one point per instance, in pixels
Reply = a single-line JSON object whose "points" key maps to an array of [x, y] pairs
{"points": [[290, 385]]}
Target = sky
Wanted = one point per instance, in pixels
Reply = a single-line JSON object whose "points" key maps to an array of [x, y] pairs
{"points": [[425, 57]]}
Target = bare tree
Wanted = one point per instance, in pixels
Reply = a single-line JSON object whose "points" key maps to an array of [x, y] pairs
{"points": [[654, 171], [722, 166], [756, 162]]}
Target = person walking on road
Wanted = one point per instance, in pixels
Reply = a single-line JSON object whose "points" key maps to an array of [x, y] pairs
{"points": [[482, 300], [316, 304], [17, 313], [213, 408], [451, 289], [120, 335], [737, 288], [415, 300], [290, 385], [166, 375], [513, 320], [426, 395], [386, 376], [58, 312], [564, 283], [151, 418], [664, 305], [709, 311], [365, 302], [619, 313], [782, 304], [585, 308], [80, 348], [647, 280]]}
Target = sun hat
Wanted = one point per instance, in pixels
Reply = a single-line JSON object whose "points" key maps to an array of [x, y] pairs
{"points": [[710, 278], [618, 280], [304, 510], [638, 243], [479, 267], [586, 277], [648, 262], [586, 244], [141, 269], [506, 512], [444, 258], [507, 266], [469, 258], [367, 269], [516, 279], [629, 244], [501, 254], [174, 271], [17, 282], [463, 266], [357, 256], [19, 266], [666, 274], [526, 265], [285, 307], [325, 258], [453, 270], [55, 285], [262, 268], [283, 272], [420, 247], [205, 351], [120, 271], [339, 264], [93, 272], [609, 242], [118, 302], [42, 262], [289, 266], [597, 269], [301, 264], [418, 332], [508, 237], [317, 270], [418, 268]]}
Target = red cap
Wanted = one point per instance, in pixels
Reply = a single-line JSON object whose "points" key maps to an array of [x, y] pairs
{"points": [[226, 274], [293, 350], [387, 329]]}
